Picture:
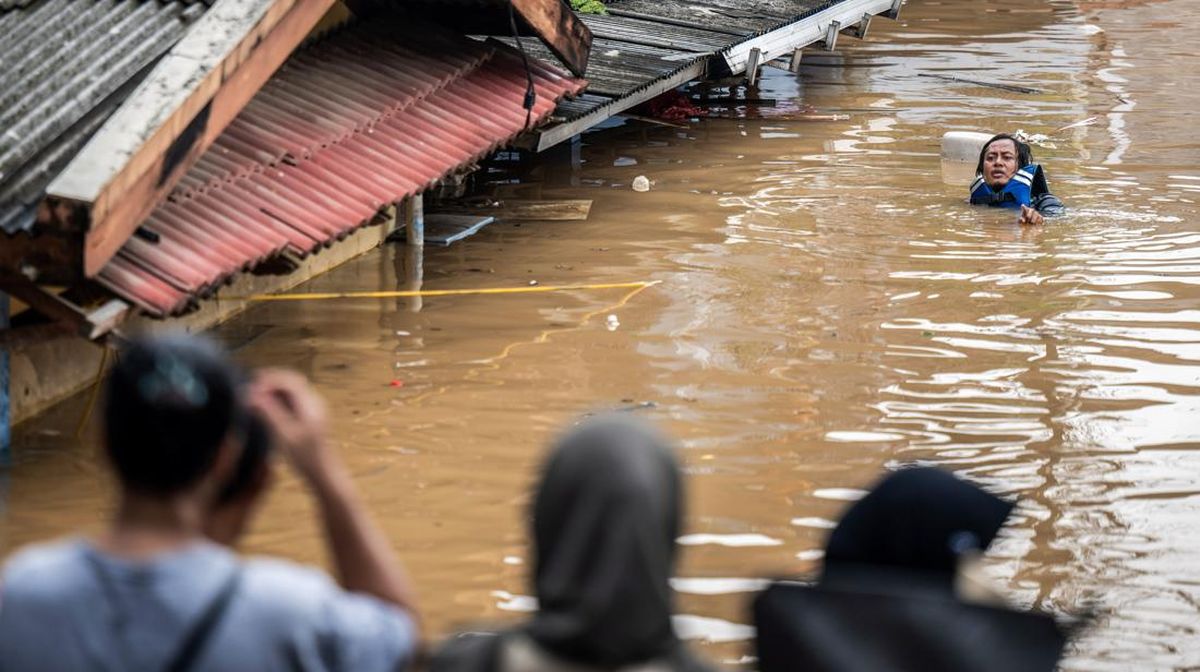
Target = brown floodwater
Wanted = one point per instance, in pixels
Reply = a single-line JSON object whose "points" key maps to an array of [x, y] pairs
{"points": [[828, 308]]}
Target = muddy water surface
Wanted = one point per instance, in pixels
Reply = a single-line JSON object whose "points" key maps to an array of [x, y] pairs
{"points": [[828, 308]]}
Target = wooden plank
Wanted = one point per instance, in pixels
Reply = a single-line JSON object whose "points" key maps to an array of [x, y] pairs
{"points": [[514, 210], [91, 325], [166, 124], [560, 29]]}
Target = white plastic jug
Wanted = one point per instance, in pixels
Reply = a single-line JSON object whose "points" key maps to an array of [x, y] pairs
{"points": [[963, 145], [960, 154]]}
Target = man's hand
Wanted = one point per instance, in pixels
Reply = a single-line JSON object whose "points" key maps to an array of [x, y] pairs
{"points": [[1030, 216], [298, 421]]}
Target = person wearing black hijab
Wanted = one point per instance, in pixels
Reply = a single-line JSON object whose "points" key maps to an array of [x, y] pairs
{"points": [[605, 518], [891, 594], [920, 520]]}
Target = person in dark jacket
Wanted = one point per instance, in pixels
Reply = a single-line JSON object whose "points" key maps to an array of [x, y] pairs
{"points": [[1007, 177], [605, 519], [921, 520], [902, 590]]}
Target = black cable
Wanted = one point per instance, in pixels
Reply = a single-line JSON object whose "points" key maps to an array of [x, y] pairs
{"points": [[530, 93]]}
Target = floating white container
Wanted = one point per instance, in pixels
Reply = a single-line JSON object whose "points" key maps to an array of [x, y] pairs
{"points": [[960, 154], [963, 146]]}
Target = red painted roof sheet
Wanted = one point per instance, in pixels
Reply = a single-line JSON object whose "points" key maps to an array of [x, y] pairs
{"points": [[362, 119]]}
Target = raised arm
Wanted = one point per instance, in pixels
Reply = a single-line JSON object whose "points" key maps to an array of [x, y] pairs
{"points": [[298, 419]]}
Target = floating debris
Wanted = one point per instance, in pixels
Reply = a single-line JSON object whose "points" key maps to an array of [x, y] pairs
{"points": [[589, 7], [979, 82]]}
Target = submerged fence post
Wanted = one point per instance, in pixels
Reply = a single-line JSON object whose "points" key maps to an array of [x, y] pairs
{"points": [[797, 56], [414, 249], [752, 65], [576, 160], [5, 383], [831, 35]]}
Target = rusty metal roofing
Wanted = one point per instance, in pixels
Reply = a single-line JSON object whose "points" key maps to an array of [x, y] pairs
{"points": [[64, 64], [361, 119]]}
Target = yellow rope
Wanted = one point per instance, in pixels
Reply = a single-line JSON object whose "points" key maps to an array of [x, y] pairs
{"points": [[534, 289], [91, 403], [493, 363]]}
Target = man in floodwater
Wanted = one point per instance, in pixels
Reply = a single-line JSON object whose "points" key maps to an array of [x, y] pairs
{"points": [[1007, 177], [152, 593]]}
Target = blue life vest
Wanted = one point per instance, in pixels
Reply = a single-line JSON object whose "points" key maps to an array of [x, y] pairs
{"points": [[1019, 191]]}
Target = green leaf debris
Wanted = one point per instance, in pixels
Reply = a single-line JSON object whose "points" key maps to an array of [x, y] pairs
{"points": [[589, 7]]}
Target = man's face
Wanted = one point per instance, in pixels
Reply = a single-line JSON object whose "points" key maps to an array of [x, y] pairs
{"points": [[999, 163]]}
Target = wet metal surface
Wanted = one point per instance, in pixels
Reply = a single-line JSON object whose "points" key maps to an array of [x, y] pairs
{"points": [[828, 307], [64, 67]]}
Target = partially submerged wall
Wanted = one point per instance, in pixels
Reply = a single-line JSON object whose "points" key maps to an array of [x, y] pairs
{"points": [[47, 372]]}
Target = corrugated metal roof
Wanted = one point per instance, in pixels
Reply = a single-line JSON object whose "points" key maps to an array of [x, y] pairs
{"points": [[284, 120], [618, 69], [631, 54], [751, 16], [361, 119], [63, 67], [644, 45], [662, 35]]}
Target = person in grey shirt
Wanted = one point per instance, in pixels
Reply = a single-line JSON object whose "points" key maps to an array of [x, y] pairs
{"points": [[160, 589]]}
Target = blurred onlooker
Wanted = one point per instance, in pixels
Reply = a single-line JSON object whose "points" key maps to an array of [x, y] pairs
{"points": [[901, 590], [605, 519], [153, 593], [920, 520]]}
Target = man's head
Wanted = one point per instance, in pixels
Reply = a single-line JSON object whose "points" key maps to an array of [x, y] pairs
{"points": [[1000, 159], [173, 405]]}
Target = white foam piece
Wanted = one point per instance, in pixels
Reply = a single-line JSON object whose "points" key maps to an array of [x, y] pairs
{"points": [[715, 630], [717, 585], [843, 494], [814, 522], [733, 540], [518, 603]]}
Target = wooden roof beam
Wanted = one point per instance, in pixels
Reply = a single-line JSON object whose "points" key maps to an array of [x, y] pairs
{"points": [[190, 96], [562, 31], [71, 318]]}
